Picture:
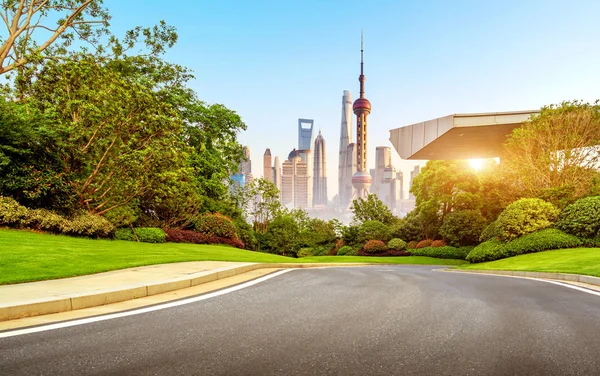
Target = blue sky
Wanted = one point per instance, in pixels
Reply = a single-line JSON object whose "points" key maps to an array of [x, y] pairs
{"points": [[276, 61]]}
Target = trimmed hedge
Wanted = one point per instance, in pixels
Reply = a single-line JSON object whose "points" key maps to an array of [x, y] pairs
{"points": [[346, 251], [424, 243], [144, 234], [444, 252], [374, 246], [215, 224], [582, 218], [543, 240], [525, 216], [397, 244], [188, 236]]}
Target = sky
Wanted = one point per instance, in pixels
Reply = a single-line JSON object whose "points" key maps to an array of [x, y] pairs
{"points": [[276, 61]]}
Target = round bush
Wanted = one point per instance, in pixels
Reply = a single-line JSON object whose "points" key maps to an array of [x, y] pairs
{"points": [[374, 246], [344, 250], [215, 224], [525, 216], [411, 244], [373, 230], [305, 252], [582, 218], [438, 243], [11, 213], [424, 243], [397, 244], [462, 227], [487, 251], [490, 231]]}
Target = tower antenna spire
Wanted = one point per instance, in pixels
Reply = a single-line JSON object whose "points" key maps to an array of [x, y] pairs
{"points": [[362, 75]]}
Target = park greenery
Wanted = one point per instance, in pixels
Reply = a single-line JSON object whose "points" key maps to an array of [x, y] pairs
{"points": [[101, 137]]}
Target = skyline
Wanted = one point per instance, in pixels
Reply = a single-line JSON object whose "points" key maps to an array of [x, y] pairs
{"points": [[422, 60]]}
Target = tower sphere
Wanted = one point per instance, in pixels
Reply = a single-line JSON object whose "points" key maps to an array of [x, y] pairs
{"points": [[361, 180], [361, 105]]}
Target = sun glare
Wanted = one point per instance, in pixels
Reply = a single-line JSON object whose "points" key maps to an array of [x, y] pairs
{"points": [[477, 164]]}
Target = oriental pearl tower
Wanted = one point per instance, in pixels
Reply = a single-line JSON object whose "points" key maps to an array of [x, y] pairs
{"points": [[361, 180]]}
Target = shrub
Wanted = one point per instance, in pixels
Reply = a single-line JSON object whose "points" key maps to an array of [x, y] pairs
{"points": [[87, 224], [338, 245], [491, 231], [215, 224], [245, 233], [582, 218], [345, 251], [144, 234], [424, 243], [374, 246], [543, 240], [45, 220], [305, 252], [411, 244], [438, 243], [487, 251], [397, 244], [444, 252], [320, 251], [408, 228], [525, 216], [373, 230], [12, 214], [462, 227], [188, 236]]}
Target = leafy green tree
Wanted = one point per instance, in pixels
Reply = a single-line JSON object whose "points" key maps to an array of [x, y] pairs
{"points": [[556, 155], [283, 235], [259, 199], [374, 230], [463, 227], [371, 209]]}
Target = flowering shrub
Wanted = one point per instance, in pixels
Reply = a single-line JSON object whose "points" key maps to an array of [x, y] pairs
{"points": [[188, 236], [215, 224], [374, 246], [411, 244], [11, 213], [438, 243], [424, 243], [87, 224]]}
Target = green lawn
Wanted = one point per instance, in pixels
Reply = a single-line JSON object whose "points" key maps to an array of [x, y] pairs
{"points": [[574, 261], [27, 256]]}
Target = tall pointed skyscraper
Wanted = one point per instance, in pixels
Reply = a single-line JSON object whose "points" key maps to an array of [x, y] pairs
{"points": [[267, 168], [344, 174], [361, 180], [320, 172]]}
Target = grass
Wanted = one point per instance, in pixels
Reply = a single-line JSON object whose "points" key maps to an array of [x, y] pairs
{"points": [[574, 261], [27, 256]]}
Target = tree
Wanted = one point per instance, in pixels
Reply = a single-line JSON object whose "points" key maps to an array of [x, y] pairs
{"points": [[371, 209], [31, 21], [463, 227], [556, 154], [259, 199]]}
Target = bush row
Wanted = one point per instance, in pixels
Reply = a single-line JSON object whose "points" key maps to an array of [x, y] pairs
{"points": [[143, 234], [444, 252], [12, 214], [542, 240], [188, 236]]}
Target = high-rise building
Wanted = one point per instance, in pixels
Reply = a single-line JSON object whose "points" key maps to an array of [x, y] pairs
{"points": [[243, 175], [307, 157], [320, 172], [413, 175], [361, 180], [305, 134], [344, 175], [294, 182], [267, 168], [350, 167], [383, 159], [246, 163], [277, 173]]}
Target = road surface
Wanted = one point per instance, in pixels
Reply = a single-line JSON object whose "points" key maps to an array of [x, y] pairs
{"points": [[375, 320]]}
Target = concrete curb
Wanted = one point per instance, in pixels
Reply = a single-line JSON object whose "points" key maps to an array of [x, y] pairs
{"points": [[63, 303], [544, 275]]}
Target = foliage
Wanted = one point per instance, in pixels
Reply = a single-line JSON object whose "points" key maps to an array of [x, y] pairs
{"points": [[491, 231], [45, 220], [424, 243], [463, 227], [411, 244], [438, 243], [142, 234], [525, 216], [245, 233], [283, 235], [397, 244], [408, 228], [350, 234], [555, 156], [305, 252], [373, 230], [582, 218], [338, 245], [188, 236], [543, 240], [215, 224], [11, 213], [88, 224], [374, 246], [444, 252], [371, 209], [260, 199], [347, 251]]}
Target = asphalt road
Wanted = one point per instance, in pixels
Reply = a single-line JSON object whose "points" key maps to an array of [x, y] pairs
{"points": [[377, 320]]}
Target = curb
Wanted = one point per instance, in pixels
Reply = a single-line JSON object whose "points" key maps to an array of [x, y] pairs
{"points": [[544, 275], [64, 303]]}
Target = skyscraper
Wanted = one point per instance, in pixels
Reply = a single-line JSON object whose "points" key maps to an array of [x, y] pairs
{"points": [[320, 172], [345, 175], [307, 157], [413, 175], [305, 134], [361, 180], [267, 168], [383, 159], [294, 182], [277, 173], [246, 163]]}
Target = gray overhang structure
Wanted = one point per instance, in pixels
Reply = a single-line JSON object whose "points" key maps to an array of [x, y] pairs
{"points": [[458, 136]]}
